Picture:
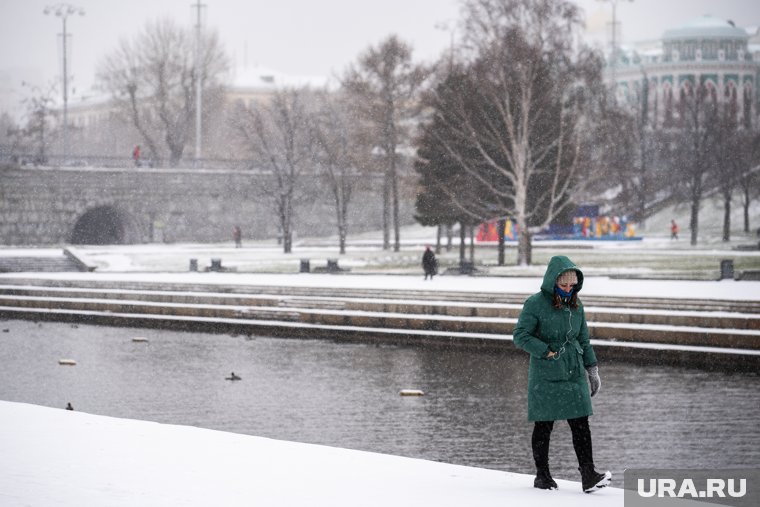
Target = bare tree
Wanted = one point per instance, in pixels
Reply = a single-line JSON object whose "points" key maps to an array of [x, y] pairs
{"points": [[748, 160], [517, 124], [39, 116], [280, 136], [152, 78], [340, 155], [726, 164], [693, 144], [385, 84]]}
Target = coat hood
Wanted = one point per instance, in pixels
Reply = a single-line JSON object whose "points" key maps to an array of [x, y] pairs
{"points": [[557, 265]]}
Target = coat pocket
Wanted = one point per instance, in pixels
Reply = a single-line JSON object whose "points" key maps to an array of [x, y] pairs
{"points": [[552, 370]]}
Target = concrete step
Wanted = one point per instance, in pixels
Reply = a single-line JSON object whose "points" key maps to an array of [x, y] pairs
{"points": [[730, 320], [648, 333], [18, 264], [691, 304], [154, 308]]}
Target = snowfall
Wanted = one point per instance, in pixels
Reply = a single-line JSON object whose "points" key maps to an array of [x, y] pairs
{"points": [[68, 458]]}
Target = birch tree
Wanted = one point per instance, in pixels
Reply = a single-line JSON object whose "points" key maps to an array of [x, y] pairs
{"points": [[518, 123]]}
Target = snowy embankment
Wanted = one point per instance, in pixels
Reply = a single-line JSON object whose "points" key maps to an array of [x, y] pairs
{"points": [[592, 285], [57, 457]]}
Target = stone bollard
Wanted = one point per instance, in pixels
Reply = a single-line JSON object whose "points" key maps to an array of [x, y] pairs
{"points": [[216, 265], [466, 268], [332, 266], [305, 266], [193, 264]]}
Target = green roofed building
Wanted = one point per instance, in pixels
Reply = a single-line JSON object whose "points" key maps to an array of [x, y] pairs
{"points": [[709, 53]]}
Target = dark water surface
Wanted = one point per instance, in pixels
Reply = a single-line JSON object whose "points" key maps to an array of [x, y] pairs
{"points": [[346, 395]]}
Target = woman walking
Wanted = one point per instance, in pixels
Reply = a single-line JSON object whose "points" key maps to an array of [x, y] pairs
{"points": [[552, 329]]}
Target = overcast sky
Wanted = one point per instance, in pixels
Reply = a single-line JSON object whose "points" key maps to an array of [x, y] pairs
{"points": [[298, 37]]}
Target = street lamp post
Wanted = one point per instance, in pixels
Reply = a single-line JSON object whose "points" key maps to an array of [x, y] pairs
{"points": [[613, 57], [198, 83], [63, 11]]}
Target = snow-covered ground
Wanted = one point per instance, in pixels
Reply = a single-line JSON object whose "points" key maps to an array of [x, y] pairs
{"points": [[63, 458]]}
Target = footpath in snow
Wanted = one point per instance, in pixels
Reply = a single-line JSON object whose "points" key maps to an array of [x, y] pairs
{"points": [[63, 458]]}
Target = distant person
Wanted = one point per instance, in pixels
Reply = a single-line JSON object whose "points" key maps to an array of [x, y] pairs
{"points": [[673, 230], [69, 407], [552, 329], [237, 235], [429, 263], [136, 155]]}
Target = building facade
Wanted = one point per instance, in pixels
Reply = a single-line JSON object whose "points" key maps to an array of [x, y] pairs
{"points": [[102, 133], [707, 53]]}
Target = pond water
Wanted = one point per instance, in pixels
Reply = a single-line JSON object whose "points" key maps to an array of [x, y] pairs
{"points": [[346, 395]]}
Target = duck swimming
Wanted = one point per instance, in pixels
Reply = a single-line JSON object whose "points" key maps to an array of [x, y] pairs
{"points": [[233, 377]]}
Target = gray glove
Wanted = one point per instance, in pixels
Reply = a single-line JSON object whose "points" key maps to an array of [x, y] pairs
{"points": [[593, 379]]}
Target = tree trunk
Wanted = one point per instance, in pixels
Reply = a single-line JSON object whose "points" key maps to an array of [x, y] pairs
{"points": [[175, 155], [340, 212], [643, 190], [449, 237], [472, 243], [462, 242], [386, 212], [438, 239], [746, 208], [726, 216], [394, 196], [287, 239], [342, 238], [342, 226], [694, 220], [501, 225], [136, 121], [521, 218], [524, 249]]}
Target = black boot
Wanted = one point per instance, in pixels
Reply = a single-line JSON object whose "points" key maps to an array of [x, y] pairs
{"points": [[540, 442], [593, 480], [544, 479]]}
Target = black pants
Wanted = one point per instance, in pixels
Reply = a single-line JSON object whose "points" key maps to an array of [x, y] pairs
{"points": [[542, 432]]}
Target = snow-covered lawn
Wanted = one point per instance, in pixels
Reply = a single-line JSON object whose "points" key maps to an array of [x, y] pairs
{"points": [[63, 458]]}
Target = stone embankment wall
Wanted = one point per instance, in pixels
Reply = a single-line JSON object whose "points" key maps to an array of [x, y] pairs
{"points": [[51, 206]]}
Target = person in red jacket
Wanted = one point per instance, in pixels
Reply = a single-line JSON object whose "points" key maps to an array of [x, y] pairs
{"points": [[136, 155]]}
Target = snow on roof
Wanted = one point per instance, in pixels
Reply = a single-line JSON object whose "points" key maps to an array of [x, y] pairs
{"points": [[269, 79], [706, 26]]}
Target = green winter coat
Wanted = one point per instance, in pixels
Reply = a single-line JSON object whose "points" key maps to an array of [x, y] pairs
{"points": [[557, 387]]}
